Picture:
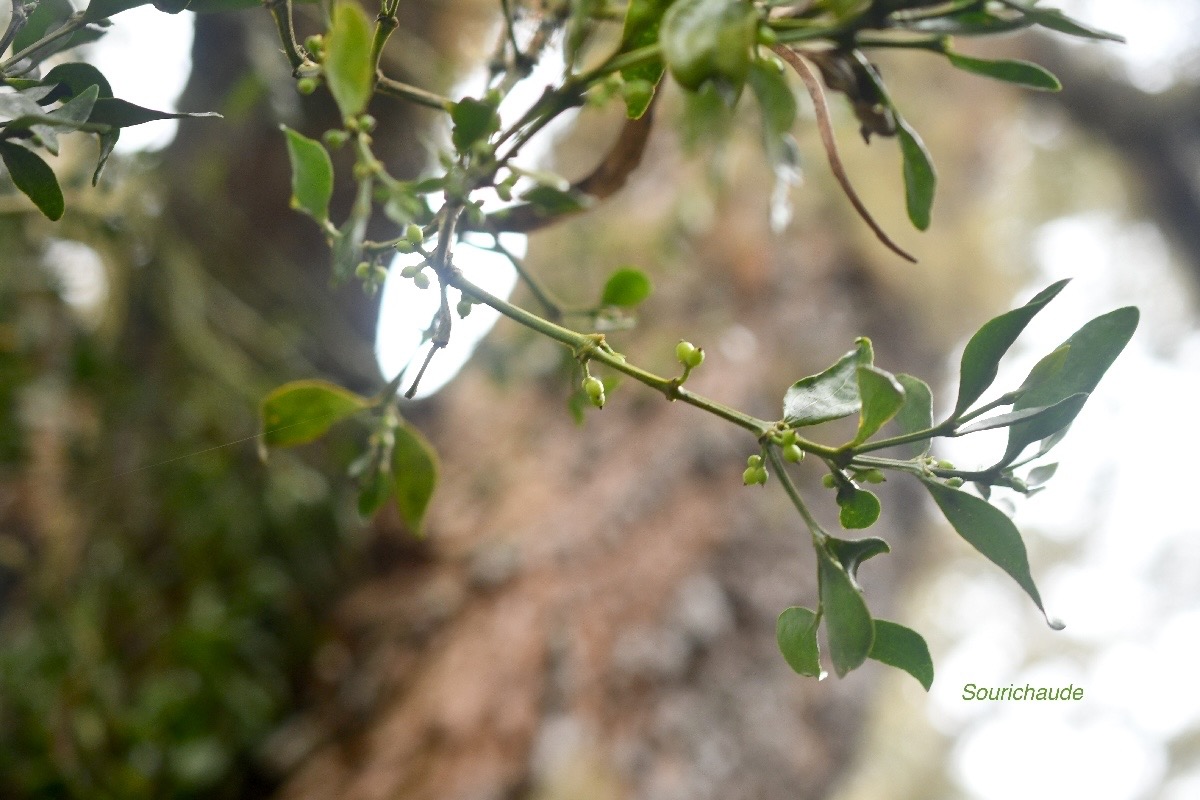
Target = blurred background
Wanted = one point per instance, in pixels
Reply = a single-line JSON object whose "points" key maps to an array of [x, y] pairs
{"points": [[592, 613]]}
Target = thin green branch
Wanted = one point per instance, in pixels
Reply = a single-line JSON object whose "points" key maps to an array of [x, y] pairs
{"points": [[793, 494], [281, 12], [553, 309], [404, 91], [385, 24], [73, 24]]}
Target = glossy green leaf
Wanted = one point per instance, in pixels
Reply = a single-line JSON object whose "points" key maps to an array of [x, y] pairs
{"points": [[882, 397], [704, 40], [1056, 20], [775, 97], [990, 531], [102, 9], [828, 395], [302, 411], [312, 175], [1047, 418], [981, 358], [903, 648], [1091, 351], [21, 104], [796, 634], [642, 21], [858, 507], [916, 414], [474, 121], [920, 178], [45, 125], [1022, 73], [415, 473], [347, 63], [850, 553], [848, 623], [969, 23], [123, 114], [34, 178], [1038, 476], [626, 287]]}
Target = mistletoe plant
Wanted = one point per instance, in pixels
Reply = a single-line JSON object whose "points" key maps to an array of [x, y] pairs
{"points": [[712, 50]]}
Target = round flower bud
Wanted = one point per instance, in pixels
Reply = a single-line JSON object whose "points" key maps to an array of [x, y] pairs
{"points": [[954, 483], [335, 138], [828, 481], [793, 453], [421, 280], [750, 476], [414, 234], [754, 461], [306, 85], [593, 387], [684, 352]]}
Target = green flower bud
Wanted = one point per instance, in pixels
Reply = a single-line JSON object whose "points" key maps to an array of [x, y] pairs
{"points": [[421, 280], [789, 437], [684, 351], [464, 307], [362, 270], [750, 476], [954, 483], [828, 481], [335, 138], [767, 36], [593, 387], [793, 453], [414, 234], [315, 45], [945, 464], [754, 461], [872, 476], [366, 123], [306, 85]]}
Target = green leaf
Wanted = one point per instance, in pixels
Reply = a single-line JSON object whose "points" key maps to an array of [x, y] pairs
{"points": [[968, 23], [552, 202], [775, 97], [48, 16], [1040, 475], [981, 358], [847, 620], [920, 179], [882, 397], [102, 9], [916, 414], [123, 114], [704, 40], [1091, 351], [1022, 73], [35, 178], [1048, 418], [828, 395], [850, 553], [1056, 20], [474, 121], [375, 491], [626, 287], [302, 411], [171, 6], [75, 77], [347, 62], [859, 508], [642, 21], [903, 648], [415, 473], [988, 530], [796, 633], [312, 175]]}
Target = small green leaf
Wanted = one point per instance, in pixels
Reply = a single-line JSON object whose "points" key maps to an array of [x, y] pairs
{"points": [[981, 358], [859, 508], [347, 63], [988, 530], [1048, 417], [828, 395], [642, 21], [376, 489], [302, 411], [850, 553], [920, 178], [704, 40], [796, 633], [552, 202], [969, 23], [1022, 73], [35, 178], [917, 412], [312, 175], [415, 472], [1056, 20], [775, 97], [626, 287], [48, 15], [903, 648], [1040, 475], [847, 621], [1091, 350], [882, 397], [123, 114], [474, 121]]}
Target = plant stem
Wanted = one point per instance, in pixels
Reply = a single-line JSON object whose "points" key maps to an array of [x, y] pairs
{"points": [[73, 23], [793, 494], [945, 429], [385, 23], [669, 387], [422, 97], [281, 12]]}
